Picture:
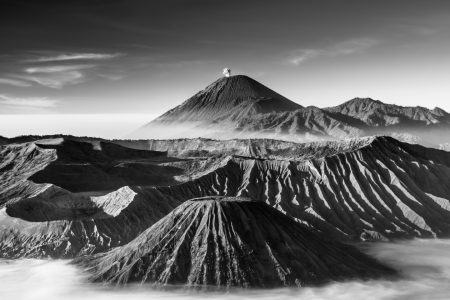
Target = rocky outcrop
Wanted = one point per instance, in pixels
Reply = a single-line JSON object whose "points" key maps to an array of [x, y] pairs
{"points": [[224, 241]]}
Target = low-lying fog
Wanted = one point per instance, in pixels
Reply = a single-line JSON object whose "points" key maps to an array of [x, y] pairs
{"points": [[424, 266]]}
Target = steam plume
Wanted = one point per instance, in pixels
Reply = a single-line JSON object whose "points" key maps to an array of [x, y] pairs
{"points": [[227, 72]]}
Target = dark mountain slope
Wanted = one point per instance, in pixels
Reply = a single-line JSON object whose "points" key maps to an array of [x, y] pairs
{"points": [[230, 242]]}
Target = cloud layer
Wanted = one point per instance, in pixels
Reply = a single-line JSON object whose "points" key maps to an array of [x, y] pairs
{"points": [[14, 105]]}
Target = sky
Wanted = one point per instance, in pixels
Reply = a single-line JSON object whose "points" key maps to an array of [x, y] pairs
{"points": [[68, 61]]}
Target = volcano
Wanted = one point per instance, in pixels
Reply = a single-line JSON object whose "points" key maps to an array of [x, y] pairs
{"points": [[217, 108], [230, 241]]}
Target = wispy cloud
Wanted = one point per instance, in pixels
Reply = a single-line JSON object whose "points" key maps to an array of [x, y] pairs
{"points": [[58, 69], [113, 77], [12, 105], [299, 56], [55, 80], [75, 56], [55, 76], [14, 82], [35, 101]]}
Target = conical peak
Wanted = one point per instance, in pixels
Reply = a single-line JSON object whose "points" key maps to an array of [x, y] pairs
{"points": [[230, 241], [243, 87], [228, 98]]}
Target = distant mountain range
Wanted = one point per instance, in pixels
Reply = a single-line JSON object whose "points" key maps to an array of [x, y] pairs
{"points": [[240, 107]]}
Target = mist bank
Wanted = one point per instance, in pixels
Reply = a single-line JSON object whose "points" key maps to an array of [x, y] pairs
{"points": [[424, 266], [108, 126], [428, 136]]}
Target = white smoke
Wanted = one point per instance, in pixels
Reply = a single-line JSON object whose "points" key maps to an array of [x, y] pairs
{"points": [[227, 72]]}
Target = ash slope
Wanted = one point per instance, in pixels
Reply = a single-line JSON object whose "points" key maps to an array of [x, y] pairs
{"points": [[230, 242]]}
